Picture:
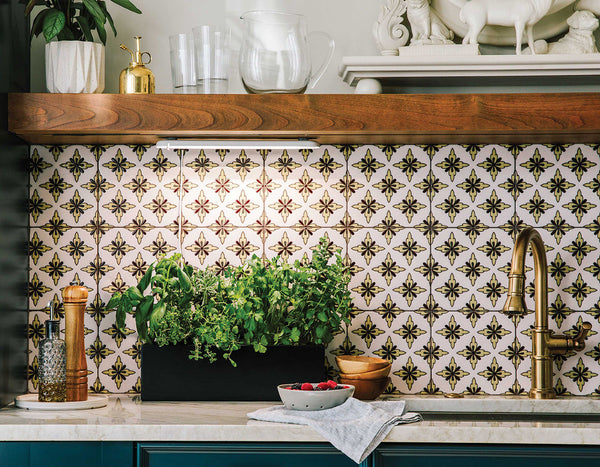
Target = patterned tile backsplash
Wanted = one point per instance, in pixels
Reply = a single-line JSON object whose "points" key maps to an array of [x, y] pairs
{"points": [[427, 231]]}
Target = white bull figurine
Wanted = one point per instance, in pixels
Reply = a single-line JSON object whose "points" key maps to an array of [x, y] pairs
{"points": [[520, 14]]}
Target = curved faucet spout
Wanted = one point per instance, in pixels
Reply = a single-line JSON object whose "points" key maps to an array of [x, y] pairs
{"points": [[544, 342], [515, 304]]}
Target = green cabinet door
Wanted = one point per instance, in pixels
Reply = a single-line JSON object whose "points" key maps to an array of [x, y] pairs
{"points": [[66, 454], [241, 455], [481, 455]]}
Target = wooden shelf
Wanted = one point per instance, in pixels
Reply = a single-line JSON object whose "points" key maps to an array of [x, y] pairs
{"points": [[558, 118]]}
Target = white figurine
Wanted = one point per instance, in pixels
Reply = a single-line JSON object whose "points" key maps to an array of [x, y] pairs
{"points": [[580, 38], [427, 28], [589, 5], [520, 14], [388, 30]]}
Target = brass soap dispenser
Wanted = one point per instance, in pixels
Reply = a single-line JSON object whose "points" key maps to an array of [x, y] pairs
{"points": [[136, 78]]}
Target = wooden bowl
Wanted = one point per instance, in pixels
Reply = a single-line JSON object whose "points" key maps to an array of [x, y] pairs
{"points": [[359, 363], [367, 389], [375, 374]]}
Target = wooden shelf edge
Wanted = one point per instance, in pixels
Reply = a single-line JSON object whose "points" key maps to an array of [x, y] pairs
{"points": [[557, 118]]}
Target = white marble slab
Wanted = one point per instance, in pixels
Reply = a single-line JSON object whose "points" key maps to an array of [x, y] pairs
{"points": [[126, 418], [504, 404]]}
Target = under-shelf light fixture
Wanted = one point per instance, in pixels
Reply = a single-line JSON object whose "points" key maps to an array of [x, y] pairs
{"points": [[236, 144]]}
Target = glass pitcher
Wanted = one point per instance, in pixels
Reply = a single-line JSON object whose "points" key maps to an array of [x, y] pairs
{"points": [[275, 56]]}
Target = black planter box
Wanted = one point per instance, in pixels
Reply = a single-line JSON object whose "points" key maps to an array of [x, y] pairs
{"points": [[169, 375]]}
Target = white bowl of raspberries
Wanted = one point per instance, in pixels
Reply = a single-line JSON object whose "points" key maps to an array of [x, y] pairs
{"points": [[314, 396]]}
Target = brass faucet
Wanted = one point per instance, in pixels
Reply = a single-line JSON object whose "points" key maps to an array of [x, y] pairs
{"points": [[544, 343]]}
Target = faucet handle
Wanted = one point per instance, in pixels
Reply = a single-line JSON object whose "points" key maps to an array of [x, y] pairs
{"points": [[579, 339]]}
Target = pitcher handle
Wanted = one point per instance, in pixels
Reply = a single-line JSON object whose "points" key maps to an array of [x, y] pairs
{"points": [[317, 75]]}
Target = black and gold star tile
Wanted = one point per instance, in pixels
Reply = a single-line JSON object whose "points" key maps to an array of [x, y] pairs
{"points": [[413, 329], [36, 207], [38, 162], [416, 225], [412, 375]]}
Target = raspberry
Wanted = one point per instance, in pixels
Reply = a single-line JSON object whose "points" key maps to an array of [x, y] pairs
{"points": [[331, 384], [307, 387], [324, 386]]}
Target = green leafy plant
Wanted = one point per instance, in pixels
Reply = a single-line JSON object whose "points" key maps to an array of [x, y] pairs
{"points": [[301, 304], [260, 303], [73, 20]]}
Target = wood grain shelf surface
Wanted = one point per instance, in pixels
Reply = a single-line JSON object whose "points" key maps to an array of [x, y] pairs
{"points": [[553, 118]]}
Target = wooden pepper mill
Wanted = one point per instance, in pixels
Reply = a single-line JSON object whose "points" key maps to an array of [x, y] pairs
{"points": [[75, 300]]}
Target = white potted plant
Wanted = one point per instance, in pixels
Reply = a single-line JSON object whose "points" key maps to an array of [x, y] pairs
{"points": [[74, 62]]}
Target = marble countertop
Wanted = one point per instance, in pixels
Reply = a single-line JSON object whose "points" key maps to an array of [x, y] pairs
{"points": [[127, 418]]}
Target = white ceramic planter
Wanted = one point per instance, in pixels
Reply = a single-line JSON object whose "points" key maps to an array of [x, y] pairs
{"points": [[74, 67]]}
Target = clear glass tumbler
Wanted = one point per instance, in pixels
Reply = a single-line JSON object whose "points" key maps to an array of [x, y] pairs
{"points": [[212, 58], [183, 69]]}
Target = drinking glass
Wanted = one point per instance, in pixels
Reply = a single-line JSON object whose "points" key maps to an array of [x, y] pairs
{"points": [[183, 71], [212, 58]]}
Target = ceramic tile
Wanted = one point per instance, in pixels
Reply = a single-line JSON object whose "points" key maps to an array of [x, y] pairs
{"points": [[465, 351], [385, 189], [566, 189], [117, 374], [410, 374], [32, 369], [401, 258], [59, 186], [304, 187], [471, 266], [539, 172], [496, 373], [463, 188], [575, 273], [230, 187], [53, 267], [389, 268], [40, 160], [365, 333], [142, 191], [220, 248]]}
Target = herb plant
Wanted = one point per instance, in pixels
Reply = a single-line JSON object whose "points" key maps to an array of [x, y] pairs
{"points": [[260, 303], [73, 20]]}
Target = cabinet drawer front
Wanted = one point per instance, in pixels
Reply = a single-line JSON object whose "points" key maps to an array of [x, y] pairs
{"points": [[241, 455], [66, 454], [470, 455]]}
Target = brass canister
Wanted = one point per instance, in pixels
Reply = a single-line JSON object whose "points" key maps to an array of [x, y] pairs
{"points": [[136, 78]]}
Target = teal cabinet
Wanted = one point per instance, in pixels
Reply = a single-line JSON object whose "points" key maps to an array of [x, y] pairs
{"points": [[67, 454], [131, 454], [241, 455], [488, 455]]}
